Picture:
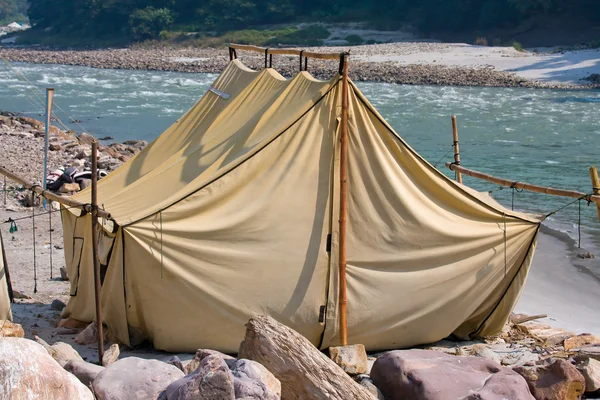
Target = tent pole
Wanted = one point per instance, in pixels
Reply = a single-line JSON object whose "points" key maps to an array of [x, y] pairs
{"points": [[6, 272], [95, 249], [595, 185], [456, 150], [49, 98], [343, 206]]}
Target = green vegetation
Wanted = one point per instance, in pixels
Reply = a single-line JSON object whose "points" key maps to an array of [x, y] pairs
{"points": [[517, 46], [212, 20], [13, 10]]}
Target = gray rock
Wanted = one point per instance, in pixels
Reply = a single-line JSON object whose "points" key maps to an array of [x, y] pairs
{"points": [[431, 375], [84, 183], [84, 371], [366, 382], [253, 381], [175, 361], [211, 381], [63, 274], [57, 305], [200, 355], [590, 369], [135, 378]]}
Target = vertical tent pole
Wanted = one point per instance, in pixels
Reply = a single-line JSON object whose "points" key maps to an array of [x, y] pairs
{"points": [[456, 150], [343, 208], [95, 249], [595, 185], [49, 99]]}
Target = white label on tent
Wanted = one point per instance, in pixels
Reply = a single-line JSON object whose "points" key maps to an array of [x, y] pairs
{"points": [[219, 93]]}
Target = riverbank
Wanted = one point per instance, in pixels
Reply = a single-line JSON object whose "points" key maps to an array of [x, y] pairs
{"points": [[412, 63]]}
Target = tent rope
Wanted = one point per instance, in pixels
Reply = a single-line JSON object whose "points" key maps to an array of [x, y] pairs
{"points": [[33, 194], [50, 232], [444, 156]]}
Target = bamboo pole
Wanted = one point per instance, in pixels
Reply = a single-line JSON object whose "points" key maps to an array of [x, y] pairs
{"points": [[51, 196], [595, 186], [291, 52], [49, 99], [95, 249], [523, 185], [456, 150], [11, 295], [343, 205]]}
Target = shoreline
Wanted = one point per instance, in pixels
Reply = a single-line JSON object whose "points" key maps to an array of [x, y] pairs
{"points": [[409, 63]]}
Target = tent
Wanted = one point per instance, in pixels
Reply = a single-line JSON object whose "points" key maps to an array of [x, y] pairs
{"points": [[233, 211], [5, 311]]}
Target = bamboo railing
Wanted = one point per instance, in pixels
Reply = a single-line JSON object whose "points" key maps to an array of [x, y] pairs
{"points": [[291, 52]]}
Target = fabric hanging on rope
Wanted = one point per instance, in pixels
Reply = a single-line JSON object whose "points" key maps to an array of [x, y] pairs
{"points": [[233, 212]]}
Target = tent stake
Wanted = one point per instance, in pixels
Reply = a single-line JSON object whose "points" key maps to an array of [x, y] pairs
{"points": [[595, 185], [49, 98], [95, 249], [456, 150], [343, 205]]}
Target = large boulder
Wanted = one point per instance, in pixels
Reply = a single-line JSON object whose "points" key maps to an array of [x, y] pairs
{"points": [[84, 371], [252, 380], [62, 352], [579, 341], [304, 372], [27, 372], [557, 381], [430, 375], [211, 381], [135, 378], [590, 369]]}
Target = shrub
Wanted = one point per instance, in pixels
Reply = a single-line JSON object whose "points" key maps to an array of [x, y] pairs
{"points": [[353, 40], [147, 23], [517, 46], [481, 41]]}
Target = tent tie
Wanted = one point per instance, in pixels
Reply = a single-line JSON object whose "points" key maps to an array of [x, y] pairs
{"points": [[34, 247]]}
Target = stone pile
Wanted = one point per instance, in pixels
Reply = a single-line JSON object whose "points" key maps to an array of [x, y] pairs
{"points": [[206, 60], [528, 361], [22, 144]]}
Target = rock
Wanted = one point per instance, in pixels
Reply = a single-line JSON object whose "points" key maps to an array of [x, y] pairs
{"points": [[175, 361], [304, 372], [111, 355], [54, 147], [211, 381], [578, 341], [558, 381], [430, 375], [481, 350], [590, 369], [20, 295], [135, 378], [84, 371], [28, 372], [366, 382], [590, 351], [69, 187], [86, 138], [11, 329], [63, 274], [57, 305], [202, 354], [60, 351], [252, 380], [83, 154], [89, 335], [107, 138], [85, 183], [352, 359]]}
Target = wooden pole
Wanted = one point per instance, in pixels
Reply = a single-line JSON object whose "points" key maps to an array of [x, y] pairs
{"points": [[456, 150], [523, 185], [595, 186], [95, 249], [290, 52], [51, 196], [6, 273], [49, 99], [343, 205]]}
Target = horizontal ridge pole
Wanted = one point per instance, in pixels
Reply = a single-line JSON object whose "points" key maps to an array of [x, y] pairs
{"points": [[51, 196], [523, 185], [291, 52]]}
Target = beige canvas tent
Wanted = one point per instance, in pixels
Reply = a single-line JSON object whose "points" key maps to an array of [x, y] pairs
{"points": [[233, 212], [5, 311]]}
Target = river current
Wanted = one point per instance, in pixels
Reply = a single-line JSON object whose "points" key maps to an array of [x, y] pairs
{"points": [[547, 137]]}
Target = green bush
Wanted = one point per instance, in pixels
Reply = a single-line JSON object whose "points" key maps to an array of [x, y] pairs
{"points": [[517, 46], [481, 41], [147, 23], [353, 40]]}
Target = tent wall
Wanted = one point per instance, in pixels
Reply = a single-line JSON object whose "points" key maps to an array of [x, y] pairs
{"points": [[5, 311]]}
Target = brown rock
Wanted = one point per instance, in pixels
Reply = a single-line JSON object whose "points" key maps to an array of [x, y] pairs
{"points": [[200, 355], [69, 187], [430, 375], [352, 359], [72, 323], [54, 147], [111, 355], [89, 335], [578, 341], [64, 274], [211, 381], [558, 381], [10, 329]]}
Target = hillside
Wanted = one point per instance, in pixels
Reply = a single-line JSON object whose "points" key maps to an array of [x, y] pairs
{"points": [[13, 10]]}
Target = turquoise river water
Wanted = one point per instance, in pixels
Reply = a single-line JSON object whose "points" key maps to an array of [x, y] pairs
{"points": [[547, 137]]}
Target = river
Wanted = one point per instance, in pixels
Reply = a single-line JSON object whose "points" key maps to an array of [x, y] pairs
{"points": [[547, 137]]}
